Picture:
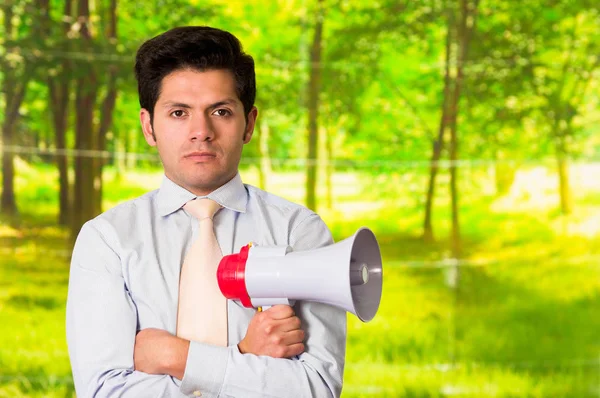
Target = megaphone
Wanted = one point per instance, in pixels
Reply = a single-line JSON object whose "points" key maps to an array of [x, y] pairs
{"points": [[348, 275]]}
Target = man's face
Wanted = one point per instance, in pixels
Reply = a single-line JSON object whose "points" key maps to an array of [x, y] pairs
{"points": [[199, 128]]}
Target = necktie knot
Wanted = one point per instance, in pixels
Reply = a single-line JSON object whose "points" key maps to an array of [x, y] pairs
{"points": [[202, 208]]}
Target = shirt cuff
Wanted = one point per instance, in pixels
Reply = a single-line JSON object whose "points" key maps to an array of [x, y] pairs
{"points": [[204, 369]]}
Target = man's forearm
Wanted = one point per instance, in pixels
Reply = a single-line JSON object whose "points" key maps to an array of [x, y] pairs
{"points": [[159, 352], [224, 371], [318, 371], [175, 364]]}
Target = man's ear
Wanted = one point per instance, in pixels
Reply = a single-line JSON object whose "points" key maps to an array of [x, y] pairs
{"points": [[252, 115], [146, 122]]}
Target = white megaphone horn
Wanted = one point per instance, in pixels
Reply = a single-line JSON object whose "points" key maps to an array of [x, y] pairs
{"points": [[348, 274]]}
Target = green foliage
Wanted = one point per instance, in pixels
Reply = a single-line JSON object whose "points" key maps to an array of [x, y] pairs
{"points": [[382, 73], [523, 320]]}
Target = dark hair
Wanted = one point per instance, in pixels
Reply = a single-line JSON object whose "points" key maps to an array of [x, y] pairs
{"points": [[194, 47]]}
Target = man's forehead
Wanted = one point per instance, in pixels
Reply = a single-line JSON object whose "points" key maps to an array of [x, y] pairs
{"points": [[221, 77], [198, 87]]}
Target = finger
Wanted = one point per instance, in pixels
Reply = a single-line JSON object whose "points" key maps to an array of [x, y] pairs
{"points": [[280, 311], [295, 349], [293, 337], [286, 351], [287, 339], [289, 324], [275, 327]]}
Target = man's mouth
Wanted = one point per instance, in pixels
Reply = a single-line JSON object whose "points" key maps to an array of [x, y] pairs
{"points": [[201, 156]]}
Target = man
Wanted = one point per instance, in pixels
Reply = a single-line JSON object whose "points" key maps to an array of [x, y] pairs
{"points": [[134, 283]]}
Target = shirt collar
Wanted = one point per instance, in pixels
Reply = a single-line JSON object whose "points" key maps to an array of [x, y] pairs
{"points": [[232, 195]]}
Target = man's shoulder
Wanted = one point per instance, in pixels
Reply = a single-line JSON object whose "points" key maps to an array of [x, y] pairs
{"points": [[273, 201], [126, 213], [118, 224], [279, 211]]}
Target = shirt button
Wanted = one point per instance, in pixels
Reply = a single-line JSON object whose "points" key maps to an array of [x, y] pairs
{"points": [[197, 394]]}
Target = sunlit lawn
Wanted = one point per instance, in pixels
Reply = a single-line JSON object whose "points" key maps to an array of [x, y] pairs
{"points": [[521, 317]]}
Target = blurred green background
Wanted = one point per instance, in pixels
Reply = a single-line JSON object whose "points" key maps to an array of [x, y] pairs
{"points": [[465, 133]]}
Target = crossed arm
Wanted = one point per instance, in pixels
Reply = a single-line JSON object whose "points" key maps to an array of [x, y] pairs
{"points": [[275, 333], [110, 355]]}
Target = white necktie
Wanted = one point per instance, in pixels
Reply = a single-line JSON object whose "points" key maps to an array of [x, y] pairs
{"points": [[202, 309]]}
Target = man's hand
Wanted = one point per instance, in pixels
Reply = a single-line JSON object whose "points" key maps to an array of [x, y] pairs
{"points": [[275, 332], [159, 352]]}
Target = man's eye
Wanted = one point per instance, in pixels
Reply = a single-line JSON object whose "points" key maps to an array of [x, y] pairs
{"points": [[177, 113], [222, 112]]}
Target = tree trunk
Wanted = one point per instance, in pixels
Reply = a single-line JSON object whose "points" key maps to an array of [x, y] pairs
{"points": [[561, 150], [314, 84], [456, 243], [108, 106], [131, 146], [465, 30], [14, 88], [9, 205], [85, 98], [504, 176], [329, 169], [119, 161], [264, 167], [59, 94], [438, 144], [83, 205], [453, 116], [59, 90], [566, 202], [461, 35]]}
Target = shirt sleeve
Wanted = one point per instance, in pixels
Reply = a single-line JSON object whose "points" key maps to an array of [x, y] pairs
{"points": [[102, 324], [317, 372]]}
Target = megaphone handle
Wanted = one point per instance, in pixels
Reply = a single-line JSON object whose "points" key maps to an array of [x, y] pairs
{"points": [[266, 307]]}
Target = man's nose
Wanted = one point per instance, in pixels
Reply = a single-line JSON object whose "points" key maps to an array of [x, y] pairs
{"points": [[201, 128]]}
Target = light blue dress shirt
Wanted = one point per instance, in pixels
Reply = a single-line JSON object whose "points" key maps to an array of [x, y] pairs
{"points": [[125, 278]]}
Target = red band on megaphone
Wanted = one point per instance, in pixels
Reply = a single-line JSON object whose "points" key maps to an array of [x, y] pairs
{"points": [[231, 276]]}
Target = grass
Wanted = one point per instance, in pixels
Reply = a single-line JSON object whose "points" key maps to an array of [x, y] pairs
{"points": [[520, 316]]}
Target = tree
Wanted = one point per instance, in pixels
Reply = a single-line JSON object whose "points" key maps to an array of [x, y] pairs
{"points": [[356, 35], [461, 24], [314, 88], [86, 89], [107, 107], [59, 87], [563, 88], [18, 71]]}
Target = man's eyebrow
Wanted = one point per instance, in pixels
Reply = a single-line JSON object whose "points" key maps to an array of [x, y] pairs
{"points": [[176, 105], [227, 101]]}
